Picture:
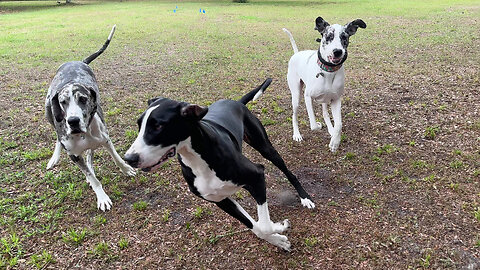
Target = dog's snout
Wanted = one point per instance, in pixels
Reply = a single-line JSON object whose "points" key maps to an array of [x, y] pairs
{"points": [[73, 121], [337, 52], [132, 159]]}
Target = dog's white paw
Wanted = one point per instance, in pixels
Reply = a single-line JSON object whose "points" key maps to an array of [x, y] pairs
{"points": [[103, 202], [316, 126], [278, 240], [53, 161], [306, 202], [280, 227], [334, 143], [128, 170], [297, 137]]}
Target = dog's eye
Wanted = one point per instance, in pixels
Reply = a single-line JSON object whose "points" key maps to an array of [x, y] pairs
{"points": [[82, 100], [329, 37], [158, 127]]}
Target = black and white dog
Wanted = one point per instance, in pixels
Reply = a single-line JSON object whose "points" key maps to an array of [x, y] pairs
{"points": [[323, 74], [73, 108], [209, 146]]}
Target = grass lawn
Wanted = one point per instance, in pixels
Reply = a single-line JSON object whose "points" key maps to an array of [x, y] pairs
{"points": [[402, 192]]}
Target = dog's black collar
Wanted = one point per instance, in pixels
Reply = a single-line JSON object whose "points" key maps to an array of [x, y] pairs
{"points": [[329, 67]]}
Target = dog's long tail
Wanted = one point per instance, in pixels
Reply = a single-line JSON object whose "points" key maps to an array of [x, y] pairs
{"points": [[255, 93], [294, 45], [92, 57]]}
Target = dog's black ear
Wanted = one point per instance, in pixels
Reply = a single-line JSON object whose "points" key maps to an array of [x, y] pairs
{"points": [[93, 102], [351, 28], [57, 110], [321, 25], [93, 95], [193, 112], [152, 100]]}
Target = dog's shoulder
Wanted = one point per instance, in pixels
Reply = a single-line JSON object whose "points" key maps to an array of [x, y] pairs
{"points": [[228, 114]]}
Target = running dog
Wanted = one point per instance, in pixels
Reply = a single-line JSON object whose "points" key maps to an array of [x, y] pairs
{"points": [[73, 108], [323, 75], [208, 142]]}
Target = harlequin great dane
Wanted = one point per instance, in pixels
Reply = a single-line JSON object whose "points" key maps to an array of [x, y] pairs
{"points": [[208, 142], [323, 74], [73, 108]]}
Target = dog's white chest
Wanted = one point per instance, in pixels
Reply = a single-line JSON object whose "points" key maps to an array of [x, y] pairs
{"points": [[212, 188], [327, 87], [206, 181]]}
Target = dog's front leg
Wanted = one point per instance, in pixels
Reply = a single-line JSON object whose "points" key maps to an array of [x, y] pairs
{"points": [[56, 155], [89, 154], [124, 167], [103, 201], [337, 129], [264, 228], [326, 118], [314, 125]]}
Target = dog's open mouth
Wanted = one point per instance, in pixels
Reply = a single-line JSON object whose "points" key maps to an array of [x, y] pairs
{"points": [[169, 154], [335, 60]]}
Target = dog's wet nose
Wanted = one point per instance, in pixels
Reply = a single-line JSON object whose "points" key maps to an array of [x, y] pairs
{"points": [[132, 159], [73, 121], [337, 52]]}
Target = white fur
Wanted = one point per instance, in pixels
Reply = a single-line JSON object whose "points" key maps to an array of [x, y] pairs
{"points": [[306, 202], [56, 156], [326, 89], [327, 50]]}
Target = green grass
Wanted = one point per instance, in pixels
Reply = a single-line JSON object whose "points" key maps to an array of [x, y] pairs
{"points": [[74, 237], [140, 206]]}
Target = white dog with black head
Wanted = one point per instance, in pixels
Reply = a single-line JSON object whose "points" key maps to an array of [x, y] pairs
{"points": [[323, 74]]}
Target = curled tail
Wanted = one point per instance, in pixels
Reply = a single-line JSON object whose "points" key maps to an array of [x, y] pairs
{"points": [[255, 93], [294, 45], [92, 57]]}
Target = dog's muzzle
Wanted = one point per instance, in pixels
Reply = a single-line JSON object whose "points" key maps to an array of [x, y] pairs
{"points": [[74, 124], [132, 159]]}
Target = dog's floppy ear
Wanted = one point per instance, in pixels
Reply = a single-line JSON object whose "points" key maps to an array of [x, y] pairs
{"points": [[152, 100], [93, 101], [321, 25], [193, 112], [57, 110], [351, 28]]}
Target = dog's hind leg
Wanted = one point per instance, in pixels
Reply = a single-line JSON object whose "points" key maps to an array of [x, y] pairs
{"points": [[295, 85], [124, 167], [103, 201], [56, 155], [231, 207], [256, 136]]}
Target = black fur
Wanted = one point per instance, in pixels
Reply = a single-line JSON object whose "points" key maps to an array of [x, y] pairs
{"points": [[351, 28], [216, 135]]}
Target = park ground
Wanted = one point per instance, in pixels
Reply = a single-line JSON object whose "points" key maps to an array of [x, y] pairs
{"points": [[402, 192]]}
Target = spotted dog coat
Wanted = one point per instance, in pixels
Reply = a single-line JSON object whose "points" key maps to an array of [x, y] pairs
{"points": [[323, 75], [73, 108], [209, 146]]}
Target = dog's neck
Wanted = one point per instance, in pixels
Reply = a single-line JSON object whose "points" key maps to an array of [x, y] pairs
{"points": [[328, 68]]}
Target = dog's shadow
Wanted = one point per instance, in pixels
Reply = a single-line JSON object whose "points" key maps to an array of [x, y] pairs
{"points": [[318, 182]]}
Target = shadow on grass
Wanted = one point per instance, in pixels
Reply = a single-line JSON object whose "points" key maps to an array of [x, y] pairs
{"points": [[22, 6]]}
